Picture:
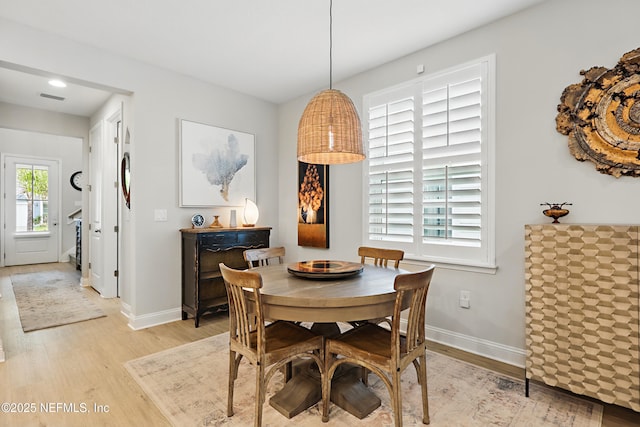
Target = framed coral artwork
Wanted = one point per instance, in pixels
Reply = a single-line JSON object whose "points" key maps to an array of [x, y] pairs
{"points": [[313, 205], [217, 166]]}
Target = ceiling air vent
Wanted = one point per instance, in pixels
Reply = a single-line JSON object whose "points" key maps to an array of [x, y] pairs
{"points": [[57, 98]]}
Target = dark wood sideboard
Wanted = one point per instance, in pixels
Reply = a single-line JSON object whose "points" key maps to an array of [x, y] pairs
{"points": [[202, 250]]}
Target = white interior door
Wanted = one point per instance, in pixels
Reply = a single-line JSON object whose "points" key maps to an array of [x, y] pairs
{"points": [[32, 200], [110, 197], [95, 208], [103, 200]]}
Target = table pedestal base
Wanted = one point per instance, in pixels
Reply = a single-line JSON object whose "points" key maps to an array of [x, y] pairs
{"points": [[349, 393], [305, 390], [301, 392]]}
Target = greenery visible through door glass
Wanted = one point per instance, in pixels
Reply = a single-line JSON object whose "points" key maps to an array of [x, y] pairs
{"points": [[32, 198]]}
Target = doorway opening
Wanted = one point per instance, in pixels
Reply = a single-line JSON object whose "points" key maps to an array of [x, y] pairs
{"points": [[31, 210], [96, 103]]}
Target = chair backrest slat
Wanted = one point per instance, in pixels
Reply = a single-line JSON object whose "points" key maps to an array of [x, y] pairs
{"points": [[381, 256], [263, 256]]}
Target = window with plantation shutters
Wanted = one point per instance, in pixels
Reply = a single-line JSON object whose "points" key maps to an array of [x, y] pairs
{"points": [[391, 177], [428, 184]]}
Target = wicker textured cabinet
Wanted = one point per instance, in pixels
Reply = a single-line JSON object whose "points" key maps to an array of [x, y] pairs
{"points": [[202, 250], [582, 310]]}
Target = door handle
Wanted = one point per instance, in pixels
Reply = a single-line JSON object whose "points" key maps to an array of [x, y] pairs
{"points": [[98, 231]]}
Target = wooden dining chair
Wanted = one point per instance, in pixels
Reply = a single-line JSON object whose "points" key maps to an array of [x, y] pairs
{"points": [[269, 347], [263, 256], [380, 256], [385, 352]]}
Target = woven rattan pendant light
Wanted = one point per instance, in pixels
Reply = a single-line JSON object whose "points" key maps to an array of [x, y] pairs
{"points": [[329, 131]]}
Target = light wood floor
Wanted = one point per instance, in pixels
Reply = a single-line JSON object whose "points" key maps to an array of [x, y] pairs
{"points": [[81, 365]]}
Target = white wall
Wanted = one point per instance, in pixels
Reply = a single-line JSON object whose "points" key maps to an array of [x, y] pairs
{"points": [[25, 118], [538, 52], [159, 99]]}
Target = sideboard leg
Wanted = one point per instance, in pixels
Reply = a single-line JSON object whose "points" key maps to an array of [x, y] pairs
{"points": [[526, 387]]}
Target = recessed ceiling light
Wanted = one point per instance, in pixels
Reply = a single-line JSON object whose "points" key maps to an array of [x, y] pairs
{"points": [[57, 83]]}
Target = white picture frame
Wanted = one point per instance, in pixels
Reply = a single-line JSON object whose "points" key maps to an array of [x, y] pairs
{"points": [[217, 166]]}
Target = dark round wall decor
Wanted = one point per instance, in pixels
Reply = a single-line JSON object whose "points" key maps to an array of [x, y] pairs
{"points": [[125, 179], [76, 180], [601, 116]]}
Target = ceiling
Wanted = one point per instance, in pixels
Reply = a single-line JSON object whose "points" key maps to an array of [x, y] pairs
{"points": [[275, 50], [31, 88]]}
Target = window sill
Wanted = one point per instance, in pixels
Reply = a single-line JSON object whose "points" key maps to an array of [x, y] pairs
{"points": [[474, 268]]}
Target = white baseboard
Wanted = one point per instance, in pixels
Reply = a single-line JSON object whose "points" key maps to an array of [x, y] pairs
{"points": [[125, 309], [152, 319], [492, 350], [502, 353]]}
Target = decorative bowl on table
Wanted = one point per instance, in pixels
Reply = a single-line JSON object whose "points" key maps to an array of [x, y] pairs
{"points": [[324, 269]]}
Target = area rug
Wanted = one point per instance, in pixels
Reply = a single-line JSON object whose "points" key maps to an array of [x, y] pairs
{"points": [[51, 298], [189, 385]]}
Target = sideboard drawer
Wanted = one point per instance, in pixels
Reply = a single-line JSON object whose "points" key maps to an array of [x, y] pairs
{"points": [[253, 238], [216, 240]]}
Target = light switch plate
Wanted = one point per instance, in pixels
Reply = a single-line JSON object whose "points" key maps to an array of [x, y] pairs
{"points": [[160, 215], [465, 299]]}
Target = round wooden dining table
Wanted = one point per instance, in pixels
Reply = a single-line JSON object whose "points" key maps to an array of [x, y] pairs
{"points": [[324, 301], [365, 295]]}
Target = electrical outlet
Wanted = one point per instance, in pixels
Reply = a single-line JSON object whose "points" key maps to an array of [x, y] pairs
{"points": [[465, 299]]}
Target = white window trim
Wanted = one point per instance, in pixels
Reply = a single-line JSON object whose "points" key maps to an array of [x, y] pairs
{"points": [[488, 263]]}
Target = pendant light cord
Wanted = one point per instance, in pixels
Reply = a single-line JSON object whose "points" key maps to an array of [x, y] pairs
{"points": [[330, 44]]}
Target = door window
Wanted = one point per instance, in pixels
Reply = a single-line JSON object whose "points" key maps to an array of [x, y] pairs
{"points": [[32, 198]]}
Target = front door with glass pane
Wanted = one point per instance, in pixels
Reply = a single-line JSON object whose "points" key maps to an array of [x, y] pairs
{"points": [[31, 186]]}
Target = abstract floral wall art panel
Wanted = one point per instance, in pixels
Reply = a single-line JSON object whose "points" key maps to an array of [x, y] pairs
{"points": [[313, 205], [217, 166]]}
